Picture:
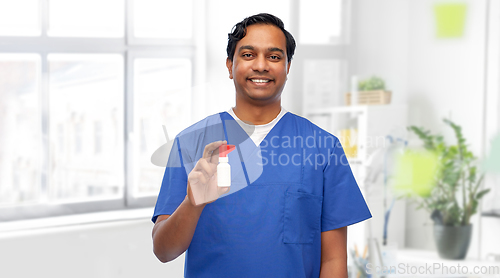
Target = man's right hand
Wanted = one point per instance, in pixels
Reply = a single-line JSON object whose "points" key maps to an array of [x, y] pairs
{"points": [[202, 181], [172, 234]]}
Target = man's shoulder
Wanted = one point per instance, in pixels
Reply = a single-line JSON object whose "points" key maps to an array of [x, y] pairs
{"points": [[307, 126], [193, 139]]}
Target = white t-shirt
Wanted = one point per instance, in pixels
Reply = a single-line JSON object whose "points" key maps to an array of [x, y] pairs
{"points": [[257, 132]]}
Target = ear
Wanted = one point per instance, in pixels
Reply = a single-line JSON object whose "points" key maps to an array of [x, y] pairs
{"points": [[229, 65], [288, 67]]}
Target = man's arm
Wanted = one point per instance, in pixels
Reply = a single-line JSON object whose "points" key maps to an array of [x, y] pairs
{"points": [[173, 234], [334, 253]]}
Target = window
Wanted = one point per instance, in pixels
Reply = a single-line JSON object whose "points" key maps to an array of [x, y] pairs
{"points": [[90, 18], [323, 43], [157, 19], [20, 129], [95, 87], [97, 137], [20, 18], [162, 86], [329, 17], [87, 88]]}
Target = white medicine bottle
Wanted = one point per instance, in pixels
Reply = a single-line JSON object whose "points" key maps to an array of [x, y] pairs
{"points": [[223, 168]]}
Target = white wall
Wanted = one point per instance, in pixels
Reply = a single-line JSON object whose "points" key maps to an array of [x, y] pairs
{"points": [[437, 78], [446, 75], [446, 80], [381, 41], [116, 249]]}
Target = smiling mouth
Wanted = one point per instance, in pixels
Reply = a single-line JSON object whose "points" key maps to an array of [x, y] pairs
{"points": [[260, 80]]}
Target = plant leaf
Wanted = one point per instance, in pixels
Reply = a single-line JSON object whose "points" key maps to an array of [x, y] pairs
{"points": [[481, 193]]}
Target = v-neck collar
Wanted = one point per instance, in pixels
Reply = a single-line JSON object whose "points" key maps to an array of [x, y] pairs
{"points": [[241, 130]]}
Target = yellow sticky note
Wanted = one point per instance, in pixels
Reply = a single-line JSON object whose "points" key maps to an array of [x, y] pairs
{"points": [[415, 172], [450, 19]]}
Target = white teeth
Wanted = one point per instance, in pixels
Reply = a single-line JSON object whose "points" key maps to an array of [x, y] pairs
{"points": [[260, 80]]}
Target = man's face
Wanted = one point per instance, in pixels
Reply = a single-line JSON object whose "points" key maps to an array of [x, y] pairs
{"points": [[260, 67]]}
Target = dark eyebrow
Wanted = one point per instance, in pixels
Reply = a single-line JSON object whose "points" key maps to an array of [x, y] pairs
{"points": [[273, 49], [249, 47], [270, 49]]}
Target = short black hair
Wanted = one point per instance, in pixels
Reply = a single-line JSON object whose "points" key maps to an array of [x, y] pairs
{"points": [[240, 30]]}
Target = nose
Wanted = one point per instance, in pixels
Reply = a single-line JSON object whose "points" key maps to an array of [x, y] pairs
{"points": [[260, 64]]}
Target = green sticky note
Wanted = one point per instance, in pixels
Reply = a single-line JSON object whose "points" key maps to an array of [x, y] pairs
{"points": [[415, 172], [450, 20], [492, 162]]}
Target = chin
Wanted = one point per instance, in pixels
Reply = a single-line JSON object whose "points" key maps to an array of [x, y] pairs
{"points": [[265, 98]]}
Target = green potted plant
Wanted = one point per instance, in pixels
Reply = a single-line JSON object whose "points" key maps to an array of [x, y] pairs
{"points": [[373, 83], [454, 194], [371, 91]]}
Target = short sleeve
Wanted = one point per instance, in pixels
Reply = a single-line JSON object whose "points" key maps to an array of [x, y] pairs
{"points": [[343, 203], [174, 184]]}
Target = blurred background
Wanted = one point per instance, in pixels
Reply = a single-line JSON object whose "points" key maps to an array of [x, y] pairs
{"points": [[89, 90]]}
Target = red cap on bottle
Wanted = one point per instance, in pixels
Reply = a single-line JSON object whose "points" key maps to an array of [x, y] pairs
{"points": [[225, 149]]}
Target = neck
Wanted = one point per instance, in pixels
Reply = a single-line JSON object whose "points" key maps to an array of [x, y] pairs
{"points": [[257, 115]]}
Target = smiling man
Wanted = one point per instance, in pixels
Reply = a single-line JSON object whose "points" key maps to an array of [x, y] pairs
{"points": [[292, 192], [259, 66]]}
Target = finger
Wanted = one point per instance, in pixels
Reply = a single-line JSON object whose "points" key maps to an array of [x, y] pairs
{"points": [[197, 177], [210, 148], [203, 166], [223, 190]]}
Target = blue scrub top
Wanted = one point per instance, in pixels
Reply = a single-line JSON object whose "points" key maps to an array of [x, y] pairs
{"points": [[284, 193]]}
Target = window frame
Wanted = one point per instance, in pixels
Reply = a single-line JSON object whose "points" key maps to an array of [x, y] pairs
{"points": [[129, 48], [345, 31], [132, 40], [131, 200], [339, 49]]}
